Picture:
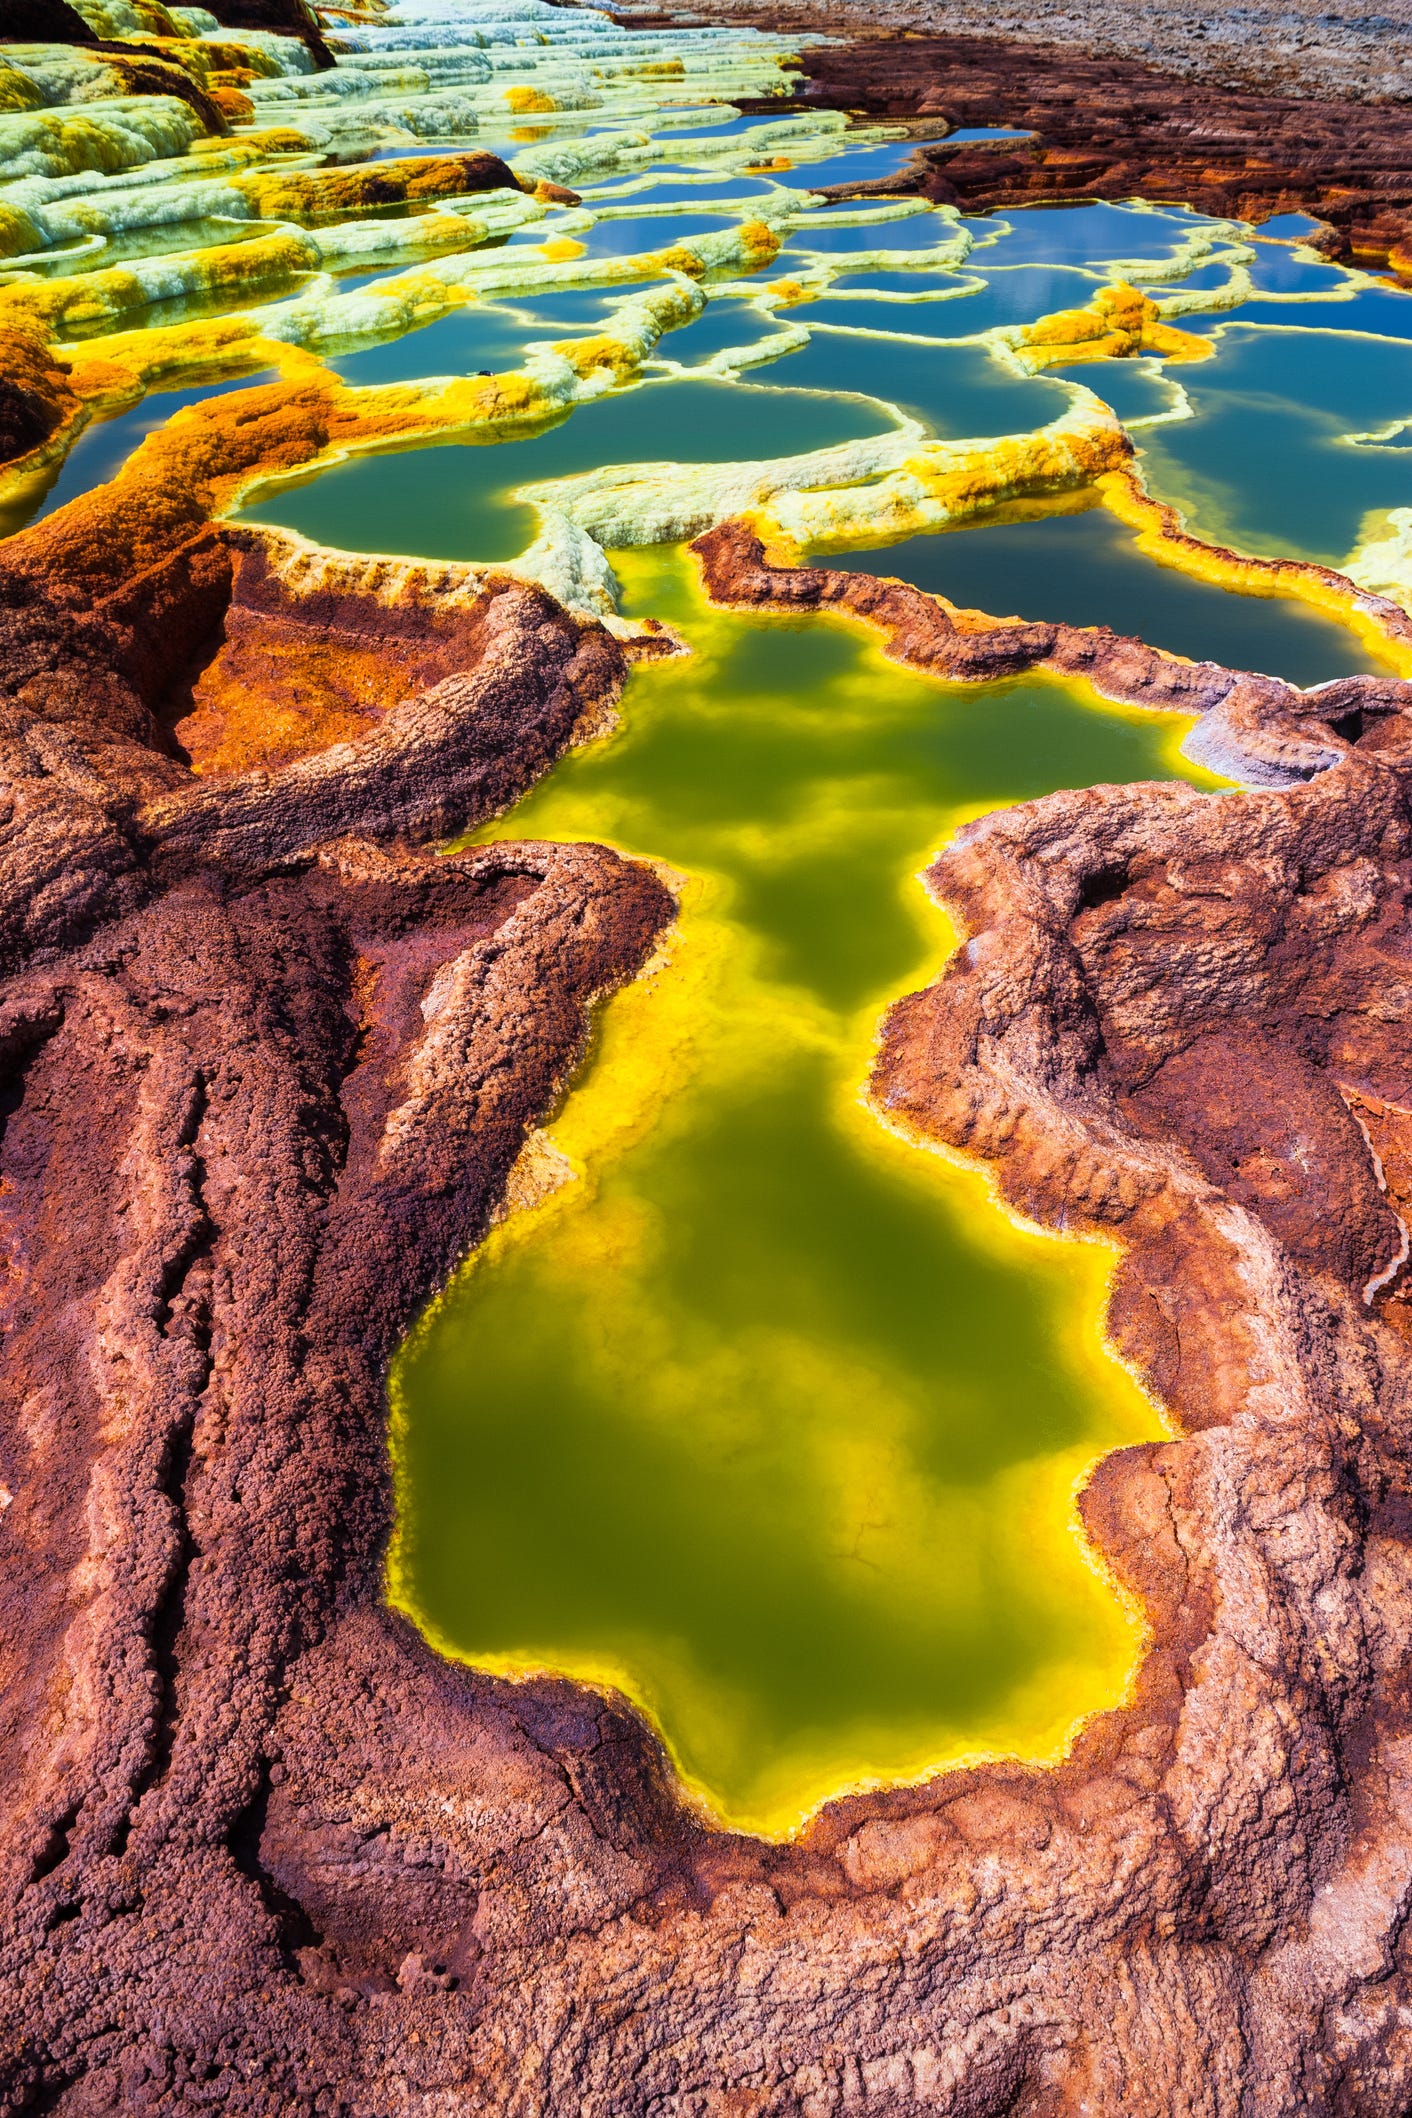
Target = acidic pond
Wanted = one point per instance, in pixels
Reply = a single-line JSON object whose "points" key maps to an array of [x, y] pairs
{"points": [[763, 1415]]}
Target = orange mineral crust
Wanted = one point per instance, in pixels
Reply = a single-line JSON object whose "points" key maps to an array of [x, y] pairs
{"points": [[318, 195], [314, 650]]}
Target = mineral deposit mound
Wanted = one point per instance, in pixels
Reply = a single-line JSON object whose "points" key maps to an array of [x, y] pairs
{"points": [[705, 1062]]}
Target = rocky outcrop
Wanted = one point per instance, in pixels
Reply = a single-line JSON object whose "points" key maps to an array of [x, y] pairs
{"points": [[266, 1072], [309, 196], [1282, 47], [1110, 128], [265, 1080], [35, 397]]}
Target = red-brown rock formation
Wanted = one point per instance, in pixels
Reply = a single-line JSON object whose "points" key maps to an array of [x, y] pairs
{"points": [[263, 1082], [315, 195], [1115, 129], [266, 1070], [1292, 47]]}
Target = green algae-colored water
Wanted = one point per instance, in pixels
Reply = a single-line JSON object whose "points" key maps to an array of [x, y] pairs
{"points": [[765, 1416], [957, 390], [453, 502]]}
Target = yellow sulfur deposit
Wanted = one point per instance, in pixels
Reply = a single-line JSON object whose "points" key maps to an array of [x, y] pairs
{"points": [[1117, 323]]}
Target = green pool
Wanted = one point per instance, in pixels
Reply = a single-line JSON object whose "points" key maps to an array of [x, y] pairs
{"points": [[763, 1415]]}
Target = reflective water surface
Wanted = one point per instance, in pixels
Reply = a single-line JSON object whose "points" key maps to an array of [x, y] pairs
{"points": [[766, 1416]]}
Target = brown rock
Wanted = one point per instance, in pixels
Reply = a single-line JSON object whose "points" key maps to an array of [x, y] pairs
{"points": [[1115, 128], [35, 397]]}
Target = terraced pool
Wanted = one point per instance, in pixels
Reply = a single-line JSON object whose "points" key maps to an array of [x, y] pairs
{"points": [[765, 1416]]}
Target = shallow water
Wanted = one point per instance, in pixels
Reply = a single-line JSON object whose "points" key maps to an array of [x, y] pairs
{"points": [[1088, 235], [1263, 463], [104, 446], [651, 231], [721, 327], [1087, 568], [463, 343], [956, 390], [453, 501], [766, 1417], [831, 234], [1384, 312], [1012, 295]]}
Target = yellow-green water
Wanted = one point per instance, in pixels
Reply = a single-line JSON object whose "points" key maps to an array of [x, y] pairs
{"points": [[765, 1415]]}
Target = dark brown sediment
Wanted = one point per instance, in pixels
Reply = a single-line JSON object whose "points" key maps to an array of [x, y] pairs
{"points": [[1113, 127], [289, 18], [45, 22]]}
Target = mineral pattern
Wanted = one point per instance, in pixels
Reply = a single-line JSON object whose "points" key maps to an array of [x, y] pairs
{"points": [[267, 1066]]}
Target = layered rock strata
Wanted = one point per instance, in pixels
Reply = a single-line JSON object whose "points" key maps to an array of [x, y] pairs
{"points": [[1288, 47], [265, 1078]]}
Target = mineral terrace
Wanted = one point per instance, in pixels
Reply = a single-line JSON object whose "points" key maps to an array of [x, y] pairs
{"points": [[269, 1062]]}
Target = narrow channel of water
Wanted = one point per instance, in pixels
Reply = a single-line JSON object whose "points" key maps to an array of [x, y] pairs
{"points": [[1084, 566]]}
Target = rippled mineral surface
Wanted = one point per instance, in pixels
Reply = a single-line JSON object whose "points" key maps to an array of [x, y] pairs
{"points": [[903, 708]]}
